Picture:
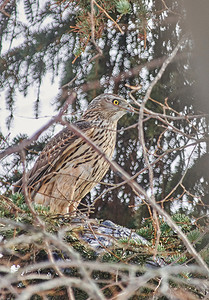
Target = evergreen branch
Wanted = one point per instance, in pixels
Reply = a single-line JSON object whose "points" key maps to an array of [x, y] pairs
{"points": [[128, 273], [142, 139], [124, 175], [99, 50], [27, 142], [108, 16], [150, 65]]}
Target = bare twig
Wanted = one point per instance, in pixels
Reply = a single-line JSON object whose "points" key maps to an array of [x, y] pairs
{"points": [[3, 6], [141, 134], [99, 50], [140, 190], [129, 278], [109, 17], [27, 198], [150, 65], [27, 142]]}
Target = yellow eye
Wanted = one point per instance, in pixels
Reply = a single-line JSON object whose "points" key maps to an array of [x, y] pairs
{"points": [[115, 102]]}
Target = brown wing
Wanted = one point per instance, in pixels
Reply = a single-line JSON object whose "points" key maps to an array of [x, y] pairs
{"points": [[51, 154]]}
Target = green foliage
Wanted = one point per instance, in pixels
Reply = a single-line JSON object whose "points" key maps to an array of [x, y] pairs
{"points": [[205, 254], [194, 236], [183, 221], [123, 7], [169, 241], [178, 258], [19, 201], [124, 251]]}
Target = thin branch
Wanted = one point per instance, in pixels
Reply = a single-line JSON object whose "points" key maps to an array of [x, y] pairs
{"points": [[142, 138], [25, 191], [99, 50], [125, 176], [108, 16], [27, 142], [150, 65], [3, 6]]}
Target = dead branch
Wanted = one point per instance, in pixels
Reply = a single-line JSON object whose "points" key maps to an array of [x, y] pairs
{"points": [[27, 142]]}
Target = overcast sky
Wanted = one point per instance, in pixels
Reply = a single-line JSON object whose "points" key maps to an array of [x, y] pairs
{"points": [[24, 120]]}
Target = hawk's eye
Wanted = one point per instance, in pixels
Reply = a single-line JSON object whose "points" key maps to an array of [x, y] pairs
{"points": [[115, 102]]}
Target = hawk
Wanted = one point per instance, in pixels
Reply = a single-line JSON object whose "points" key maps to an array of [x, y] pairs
{"points": [[68, 168]]}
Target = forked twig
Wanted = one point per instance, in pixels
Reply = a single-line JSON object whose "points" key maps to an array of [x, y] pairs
{"points": [[109, 17]]}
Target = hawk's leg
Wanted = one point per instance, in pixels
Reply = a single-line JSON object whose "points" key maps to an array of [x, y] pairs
{"points": [[51, 194], [62, 196], [62, 204]]}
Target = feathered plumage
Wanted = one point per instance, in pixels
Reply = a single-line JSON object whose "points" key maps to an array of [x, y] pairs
{"points": [[68, 168]]}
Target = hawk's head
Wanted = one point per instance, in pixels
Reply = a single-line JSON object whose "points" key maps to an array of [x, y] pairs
{"points": [[108, 106]]}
